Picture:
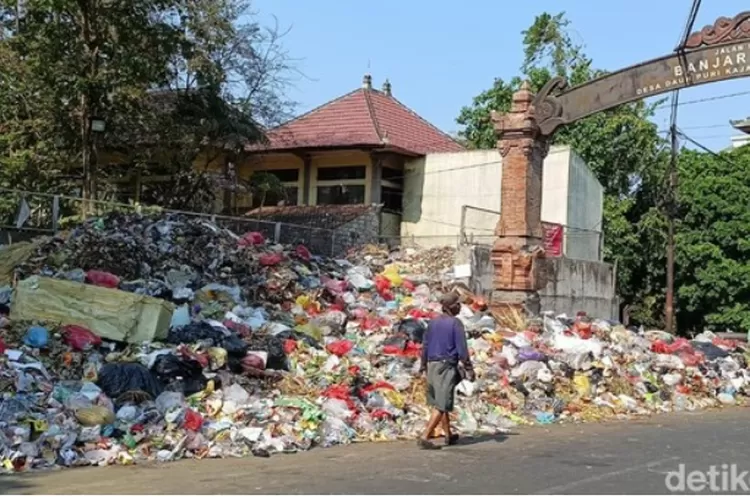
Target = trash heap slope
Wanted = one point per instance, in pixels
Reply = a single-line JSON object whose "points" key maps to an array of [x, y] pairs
{"points": [[139, 338]]}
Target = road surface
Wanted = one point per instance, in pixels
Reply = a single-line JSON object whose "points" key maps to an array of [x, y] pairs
{"points": [[615, 457]]}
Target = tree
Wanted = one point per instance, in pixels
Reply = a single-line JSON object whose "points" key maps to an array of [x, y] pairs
{"points": [[176, 81], [713, 247], [264, 183], [621, 146]]}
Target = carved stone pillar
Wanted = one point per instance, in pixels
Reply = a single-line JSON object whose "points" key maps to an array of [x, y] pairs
{"points": [[518, 253]]}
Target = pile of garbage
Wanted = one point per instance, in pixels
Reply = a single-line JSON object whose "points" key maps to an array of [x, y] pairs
{"points": [[137, 338]]}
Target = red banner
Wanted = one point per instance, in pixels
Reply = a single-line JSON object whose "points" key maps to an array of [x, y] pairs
{"points": [[553, 239]]}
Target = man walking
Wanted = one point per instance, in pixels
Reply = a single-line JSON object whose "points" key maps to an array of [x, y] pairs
{"points": [[444, 355]]}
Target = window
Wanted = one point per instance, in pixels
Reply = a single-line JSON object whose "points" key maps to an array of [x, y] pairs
{"points": [[273, 199], [341, 195], [394, 176], [391, 198], [290, 178], [341, 173], [284, 175]]}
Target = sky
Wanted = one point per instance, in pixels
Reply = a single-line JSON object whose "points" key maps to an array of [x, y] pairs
{"points": [[438, 54]]}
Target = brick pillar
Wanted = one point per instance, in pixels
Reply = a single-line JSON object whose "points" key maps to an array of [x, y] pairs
{"points": [[518, 253]]}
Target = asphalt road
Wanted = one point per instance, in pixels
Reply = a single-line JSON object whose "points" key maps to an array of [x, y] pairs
{"points": [[612, 458]]}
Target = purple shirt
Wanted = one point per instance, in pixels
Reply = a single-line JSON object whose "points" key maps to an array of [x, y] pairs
{"points": [[445, 339]]}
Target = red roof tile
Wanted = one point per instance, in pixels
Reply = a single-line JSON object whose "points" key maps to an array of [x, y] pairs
{"points": [[319, 216], [362, 118]]}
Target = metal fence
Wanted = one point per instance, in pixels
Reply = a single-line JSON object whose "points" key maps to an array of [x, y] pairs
{"points": [[43, 213], [478, 228]]}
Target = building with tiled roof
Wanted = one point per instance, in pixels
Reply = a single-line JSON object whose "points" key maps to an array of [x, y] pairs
{"points": [[349, 151], [744, 127]]}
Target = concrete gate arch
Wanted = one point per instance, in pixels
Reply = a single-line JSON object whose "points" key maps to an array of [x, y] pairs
{"points": [[716, 53]]}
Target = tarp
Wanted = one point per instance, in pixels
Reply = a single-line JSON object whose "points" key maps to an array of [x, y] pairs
{"points": [[111, 314], [13, 255]]}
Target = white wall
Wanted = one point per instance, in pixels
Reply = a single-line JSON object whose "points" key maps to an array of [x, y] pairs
{"points": [[437, 186], [740, 140], [585, 202]]}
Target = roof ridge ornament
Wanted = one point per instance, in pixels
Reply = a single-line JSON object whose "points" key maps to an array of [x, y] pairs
{"points": [[722, 31]]}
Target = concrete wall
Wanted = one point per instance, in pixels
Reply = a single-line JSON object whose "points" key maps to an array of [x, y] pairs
{"points": [[575, 285], [585, 209], [438, 186]]}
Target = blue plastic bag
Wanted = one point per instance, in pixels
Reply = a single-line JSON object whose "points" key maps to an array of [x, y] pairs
{"points": [[36, 336]]}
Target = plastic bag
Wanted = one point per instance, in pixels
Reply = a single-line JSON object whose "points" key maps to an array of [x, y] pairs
{"points": [[103, 279], [179, 375], [253, 362], [358, 281], [392, 275], [529, 354], [169, 400], [270, 259], [95, 415], [195, 332], [415, 329], [36, 336], [303, 253], [340, 347], [116, 379], [180, 317], [193, 420], [80, 338], [251, 239]]}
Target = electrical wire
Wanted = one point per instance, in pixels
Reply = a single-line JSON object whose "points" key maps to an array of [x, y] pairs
{"points": [[707, 99]]}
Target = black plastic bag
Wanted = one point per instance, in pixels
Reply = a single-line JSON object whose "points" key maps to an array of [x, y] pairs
{"points": [[711, 351], [116, 379], [196, 332], [299, 337], [179, 375], [273, 345], [399, 341], [414, 328]]}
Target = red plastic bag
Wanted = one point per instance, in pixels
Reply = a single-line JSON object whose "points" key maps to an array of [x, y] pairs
{"points": [[193, 420], [270, 259], [382, 284], [336, 287], [80, 338], [408, 286], [2, 346], [380, 384], [102, 278], [411, 350], [253, 361], [303, 253], [341, 392], [340, 347], [290, 345], [691, 359], [238, 328], [380, 414], [251, 239]]}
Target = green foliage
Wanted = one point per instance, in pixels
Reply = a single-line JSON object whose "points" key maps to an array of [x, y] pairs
{"points": [[264, 183], [713, 242], [173, 80]]}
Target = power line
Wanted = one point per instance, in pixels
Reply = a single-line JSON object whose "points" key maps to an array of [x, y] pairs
{"points": [[707, 99]]}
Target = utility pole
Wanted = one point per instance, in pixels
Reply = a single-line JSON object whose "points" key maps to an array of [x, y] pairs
{"points": [[670, 214], [671, 202]]}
